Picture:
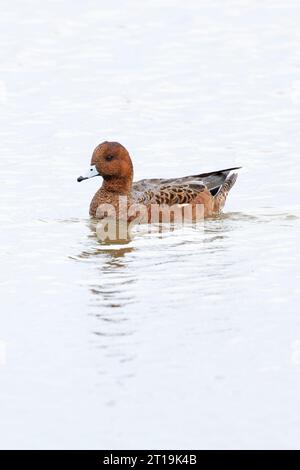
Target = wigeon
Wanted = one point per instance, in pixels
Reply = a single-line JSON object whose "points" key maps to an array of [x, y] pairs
{"points": [[112, 161]]}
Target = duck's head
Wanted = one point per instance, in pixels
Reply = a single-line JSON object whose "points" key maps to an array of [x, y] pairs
{"points": [[111, 161]]}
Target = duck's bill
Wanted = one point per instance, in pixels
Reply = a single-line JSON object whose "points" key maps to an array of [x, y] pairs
{"points": [[90, 174]]}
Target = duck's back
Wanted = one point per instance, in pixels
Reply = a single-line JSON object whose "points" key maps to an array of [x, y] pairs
{"points": [[179, 190]]}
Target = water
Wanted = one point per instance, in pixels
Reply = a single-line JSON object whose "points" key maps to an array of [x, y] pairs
{"points": [[187, 340]]}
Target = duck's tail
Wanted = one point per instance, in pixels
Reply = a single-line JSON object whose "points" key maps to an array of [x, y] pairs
{"points": [[221, 196]]}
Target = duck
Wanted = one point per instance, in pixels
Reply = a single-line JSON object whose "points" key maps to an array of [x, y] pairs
{"points": [[112, 162]]}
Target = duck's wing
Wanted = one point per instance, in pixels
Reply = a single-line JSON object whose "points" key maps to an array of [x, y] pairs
{"points": [[171, 193], [153, 187], [214, 180]]}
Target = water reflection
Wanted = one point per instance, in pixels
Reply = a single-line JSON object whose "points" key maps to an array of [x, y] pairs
{"points": [[172, 282], [112, 255], [112, 292]]}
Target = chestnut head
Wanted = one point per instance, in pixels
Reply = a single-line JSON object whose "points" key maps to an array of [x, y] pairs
{"points": [[110, 160]]}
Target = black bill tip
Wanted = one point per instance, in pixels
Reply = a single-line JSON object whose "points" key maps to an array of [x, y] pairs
{"points": [[81, 178]]}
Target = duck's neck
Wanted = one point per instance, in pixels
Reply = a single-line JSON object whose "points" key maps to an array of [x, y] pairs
{"points": [[119, 185]]}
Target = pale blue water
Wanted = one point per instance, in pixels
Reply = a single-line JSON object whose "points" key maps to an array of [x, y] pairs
{"points": [[191, 340]]}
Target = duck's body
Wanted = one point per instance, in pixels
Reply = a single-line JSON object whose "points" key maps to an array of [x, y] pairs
{"points": [[112, 161]]}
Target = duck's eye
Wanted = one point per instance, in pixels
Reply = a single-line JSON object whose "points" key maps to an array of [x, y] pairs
{"points": [[109, 158]]}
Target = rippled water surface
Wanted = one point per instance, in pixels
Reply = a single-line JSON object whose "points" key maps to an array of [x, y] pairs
{"points": [[190, 339]]}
